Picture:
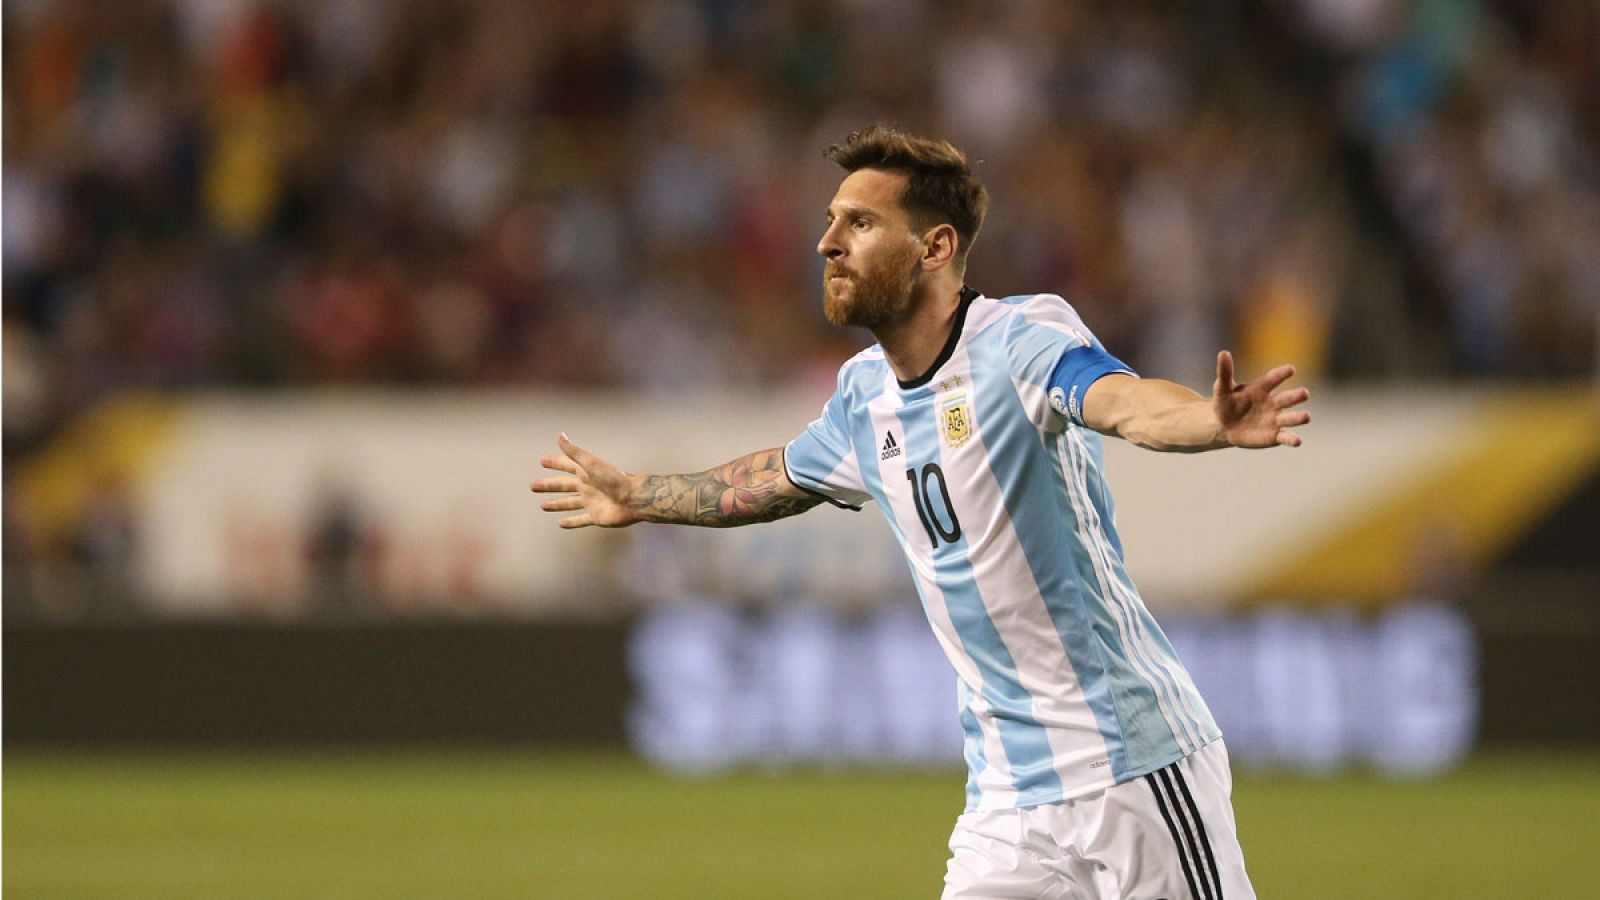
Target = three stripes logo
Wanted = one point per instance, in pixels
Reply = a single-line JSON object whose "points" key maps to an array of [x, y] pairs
{"points": [[890, 448], [1188, 832]]}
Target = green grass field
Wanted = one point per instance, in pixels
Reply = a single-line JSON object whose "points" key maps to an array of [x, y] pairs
{"points": [[499, 824]]}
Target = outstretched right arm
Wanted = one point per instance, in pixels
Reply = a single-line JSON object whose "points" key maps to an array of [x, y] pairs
{"points": [[750, 489]]}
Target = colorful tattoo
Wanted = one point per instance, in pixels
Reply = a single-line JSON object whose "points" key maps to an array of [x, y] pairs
{"points": [[748, 490]]}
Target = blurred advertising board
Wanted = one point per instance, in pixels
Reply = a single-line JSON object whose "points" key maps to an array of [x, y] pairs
{"points": [[399, 503], [1308, 690]]}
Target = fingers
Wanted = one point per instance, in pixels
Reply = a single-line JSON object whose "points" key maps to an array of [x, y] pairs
{"points": [[1286, 400], [563, 504], [579, 455], [1292, 398], [568, 503], [1274, 377], [1225, 372], [560, 464], [574, 461], [554, 485]]}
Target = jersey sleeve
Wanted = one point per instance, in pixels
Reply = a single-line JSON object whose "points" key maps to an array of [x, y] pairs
{"points": [[823, 460], [1054, 359]]}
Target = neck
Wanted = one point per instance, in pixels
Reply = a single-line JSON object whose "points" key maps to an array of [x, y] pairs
{"points": [[911, 344]]}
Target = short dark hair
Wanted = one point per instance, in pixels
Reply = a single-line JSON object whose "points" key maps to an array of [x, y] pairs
{"points": [[941, 187]]}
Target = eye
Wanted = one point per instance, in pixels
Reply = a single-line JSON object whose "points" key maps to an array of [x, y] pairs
{"points": [[860, 224]]}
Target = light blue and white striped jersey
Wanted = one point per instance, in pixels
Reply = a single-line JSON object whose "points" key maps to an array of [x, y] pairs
{"points": [[994, 488]]}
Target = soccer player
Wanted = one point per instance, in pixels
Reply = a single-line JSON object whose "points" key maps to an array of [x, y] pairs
{"points": [[1095, 769]]}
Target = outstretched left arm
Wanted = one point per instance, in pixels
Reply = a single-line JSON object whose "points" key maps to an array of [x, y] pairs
{"points": [[1161, 415]]}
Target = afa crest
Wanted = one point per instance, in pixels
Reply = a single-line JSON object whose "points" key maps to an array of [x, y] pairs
{"points": [[955, 415]]}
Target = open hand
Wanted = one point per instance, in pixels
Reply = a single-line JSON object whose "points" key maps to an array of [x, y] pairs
{"points": [[595, 489], [1256, 413]]}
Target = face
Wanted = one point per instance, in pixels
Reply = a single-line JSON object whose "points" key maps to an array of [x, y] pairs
{"points": [[873, 253]]}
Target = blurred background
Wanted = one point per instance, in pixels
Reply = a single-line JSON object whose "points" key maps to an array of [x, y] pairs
{"points": [[297, 293]]}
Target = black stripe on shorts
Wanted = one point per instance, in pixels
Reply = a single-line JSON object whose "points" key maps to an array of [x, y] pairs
{"points": [[1194, 851], [1200, 825]]}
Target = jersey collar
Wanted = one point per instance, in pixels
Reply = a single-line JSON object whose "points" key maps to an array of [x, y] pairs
{"points": [[967, 296]]}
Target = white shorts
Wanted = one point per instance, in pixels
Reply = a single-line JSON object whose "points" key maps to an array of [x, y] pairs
{"points": [[1167, 835]]}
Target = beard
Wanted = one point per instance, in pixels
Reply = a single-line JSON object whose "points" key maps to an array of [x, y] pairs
{"points": [[877, 295]]}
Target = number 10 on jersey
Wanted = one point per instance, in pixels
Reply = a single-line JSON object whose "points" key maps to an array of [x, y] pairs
{"points": [[923, 482]]}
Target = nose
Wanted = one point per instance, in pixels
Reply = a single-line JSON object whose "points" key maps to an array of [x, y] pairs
{"points": [[829, 245]]}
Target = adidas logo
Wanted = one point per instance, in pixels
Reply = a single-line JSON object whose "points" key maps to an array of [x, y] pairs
{"points": [[890, 448]]}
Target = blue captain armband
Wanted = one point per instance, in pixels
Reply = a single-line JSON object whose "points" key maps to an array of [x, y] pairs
{"points": [[1080, 367]]}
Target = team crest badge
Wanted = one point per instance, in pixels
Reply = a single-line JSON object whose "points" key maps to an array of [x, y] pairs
{"points": [[955, 414]]}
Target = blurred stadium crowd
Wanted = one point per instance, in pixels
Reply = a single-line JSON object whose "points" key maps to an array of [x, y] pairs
{"points": [[626, 193], [618, 192]]}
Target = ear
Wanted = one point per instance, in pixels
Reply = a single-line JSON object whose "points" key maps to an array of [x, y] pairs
{"points": [[939, 246]]}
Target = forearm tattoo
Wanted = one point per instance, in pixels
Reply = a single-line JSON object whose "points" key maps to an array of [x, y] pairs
{"points": [[742, 492]]}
